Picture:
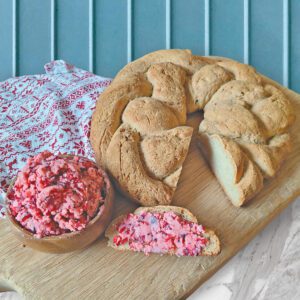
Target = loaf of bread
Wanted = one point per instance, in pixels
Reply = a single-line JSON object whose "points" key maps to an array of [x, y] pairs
{"points": [[139, 135], [163, 234]]}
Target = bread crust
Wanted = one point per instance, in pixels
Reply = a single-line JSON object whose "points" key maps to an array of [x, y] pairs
{"points": [[152, 95], [213, 248]]}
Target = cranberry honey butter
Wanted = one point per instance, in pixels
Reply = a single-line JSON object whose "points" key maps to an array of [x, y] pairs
{"points": [[57, 194]]}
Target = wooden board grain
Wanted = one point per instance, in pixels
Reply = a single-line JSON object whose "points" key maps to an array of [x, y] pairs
{"points": [[100, 272]]}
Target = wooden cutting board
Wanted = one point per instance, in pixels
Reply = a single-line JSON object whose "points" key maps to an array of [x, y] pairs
{"points": [[100, 272]]}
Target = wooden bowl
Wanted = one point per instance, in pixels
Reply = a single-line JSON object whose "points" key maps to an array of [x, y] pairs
{"points": [[68, 241]]}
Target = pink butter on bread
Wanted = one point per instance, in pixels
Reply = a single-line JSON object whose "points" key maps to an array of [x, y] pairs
{"points": [[162, 230]]}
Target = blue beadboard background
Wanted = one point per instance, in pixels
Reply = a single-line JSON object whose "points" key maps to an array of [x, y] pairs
{"points": [[103, 35]]}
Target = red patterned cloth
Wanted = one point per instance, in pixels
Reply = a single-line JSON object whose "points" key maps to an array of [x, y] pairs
{"points": [[50, 111]]}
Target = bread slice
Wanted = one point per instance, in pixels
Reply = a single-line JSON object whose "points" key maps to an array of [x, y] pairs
{"points": [[212, 248], [237, 174]]}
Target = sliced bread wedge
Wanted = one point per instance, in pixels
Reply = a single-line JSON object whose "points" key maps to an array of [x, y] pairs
{"points": [[212, 246], [240, 178]]}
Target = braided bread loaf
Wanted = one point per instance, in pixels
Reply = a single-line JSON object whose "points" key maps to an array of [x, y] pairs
{"points": [[138, 130]]}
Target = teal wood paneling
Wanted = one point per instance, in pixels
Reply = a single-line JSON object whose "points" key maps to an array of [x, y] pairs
{"points": [[33, 32], [103, 35], [5, 39], [266, 37], [72, 31], [148, 26], [226, 29], [110, 36], [187, 25]]}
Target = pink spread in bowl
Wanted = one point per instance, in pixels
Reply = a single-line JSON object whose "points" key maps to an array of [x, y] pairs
{"points": [[161, 233], [57, 194]]}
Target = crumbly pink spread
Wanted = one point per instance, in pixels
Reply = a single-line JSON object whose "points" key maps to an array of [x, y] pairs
{"points": [[56, 194], [161, 233]]}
